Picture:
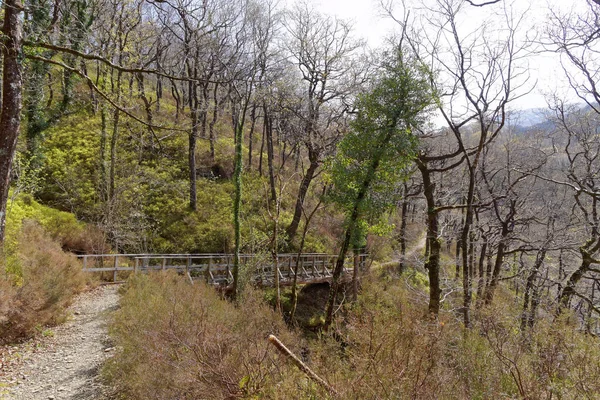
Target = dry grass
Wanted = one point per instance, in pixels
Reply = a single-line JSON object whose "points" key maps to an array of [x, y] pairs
{"points": [[49, 280], [183, 341]]}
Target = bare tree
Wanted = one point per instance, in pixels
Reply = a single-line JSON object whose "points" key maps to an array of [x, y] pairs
{"points": [[322, 50], [475, 78], [575, 37]]}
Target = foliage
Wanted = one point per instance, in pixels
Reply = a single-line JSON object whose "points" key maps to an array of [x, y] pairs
{"points": [[71, 172], [207, 230], [374, 156], [60, 226]]}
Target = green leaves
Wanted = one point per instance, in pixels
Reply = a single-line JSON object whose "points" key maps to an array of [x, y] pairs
{"points": [[375, 156]]}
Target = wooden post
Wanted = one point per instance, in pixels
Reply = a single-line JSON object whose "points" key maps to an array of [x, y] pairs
{"points": [[116, 264], [84, 262], [227, 270], [324, 266], [188, 264], [101, 265], [164, 263], [207, 273], [136, 261]]}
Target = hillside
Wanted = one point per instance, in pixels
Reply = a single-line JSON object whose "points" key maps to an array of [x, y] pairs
{"points": [[259, 179]]}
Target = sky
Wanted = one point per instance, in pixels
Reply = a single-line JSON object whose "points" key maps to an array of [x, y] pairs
{"points": [[374, 27]]}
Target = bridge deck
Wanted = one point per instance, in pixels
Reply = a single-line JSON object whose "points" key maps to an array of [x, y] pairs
{"points": [[217, 269]]}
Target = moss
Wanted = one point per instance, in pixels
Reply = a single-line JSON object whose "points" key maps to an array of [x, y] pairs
{"points": [[61, 226]]}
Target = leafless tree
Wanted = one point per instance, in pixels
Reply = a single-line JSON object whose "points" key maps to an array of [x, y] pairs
{"points": [[475, 77], [322, 49], [575, 37]]}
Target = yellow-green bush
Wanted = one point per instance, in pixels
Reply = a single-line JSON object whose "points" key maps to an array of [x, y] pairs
{"points": [[62, 227]]}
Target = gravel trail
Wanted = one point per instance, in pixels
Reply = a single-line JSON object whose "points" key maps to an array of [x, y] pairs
{"points": [[65, 363]]}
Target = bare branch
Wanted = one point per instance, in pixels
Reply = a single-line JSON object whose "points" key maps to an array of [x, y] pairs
{"points": [[101, 93], [488, 3]]}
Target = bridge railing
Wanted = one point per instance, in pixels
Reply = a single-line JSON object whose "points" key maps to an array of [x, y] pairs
{"points": [[217, 268]]}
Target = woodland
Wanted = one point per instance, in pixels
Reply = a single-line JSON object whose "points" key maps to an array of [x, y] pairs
{"points": [[266, 127]]}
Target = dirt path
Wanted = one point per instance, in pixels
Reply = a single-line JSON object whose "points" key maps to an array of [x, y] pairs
{"points": [[65, 363]]}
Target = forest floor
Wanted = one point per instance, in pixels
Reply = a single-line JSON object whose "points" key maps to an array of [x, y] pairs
{"points": [[63, 362]]}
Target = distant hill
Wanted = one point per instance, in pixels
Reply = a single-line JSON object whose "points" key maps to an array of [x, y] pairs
{"points": [[530, 119], [535, 119]]}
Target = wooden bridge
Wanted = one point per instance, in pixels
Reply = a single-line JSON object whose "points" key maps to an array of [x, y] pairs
{"points": [[217, 269]]}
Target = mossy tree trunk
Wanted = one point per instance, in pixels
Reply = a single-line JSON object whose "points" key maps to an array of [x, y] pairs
{"points": [[237, 204], [432, 262], [12, 87], [239, 120], [350, 229], [402, 233]]}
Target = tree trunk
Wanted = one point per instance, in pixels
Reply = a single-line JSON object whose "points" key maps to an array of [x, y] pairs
{"points": [[262, 148], [114, 141], [251, 136], [308, 177], [269, 132], [237, 204], [300, 249], [354, 217], [433, 260], [464, 239], [177, 97], [192, 145], [489, 293], [36, 120], [481, 272], [339, 266], [102, 185], [457, 259], [12, 87], [528, 315], [488, 268], [402, 234], [355, 274], [568, 291], [275, 258]]}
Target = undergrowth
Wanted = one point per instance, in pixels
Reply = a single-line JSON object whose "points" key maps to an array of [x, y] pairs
{"points": [[39, 294], [178, 340], [182, 341], [38, 279]]}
